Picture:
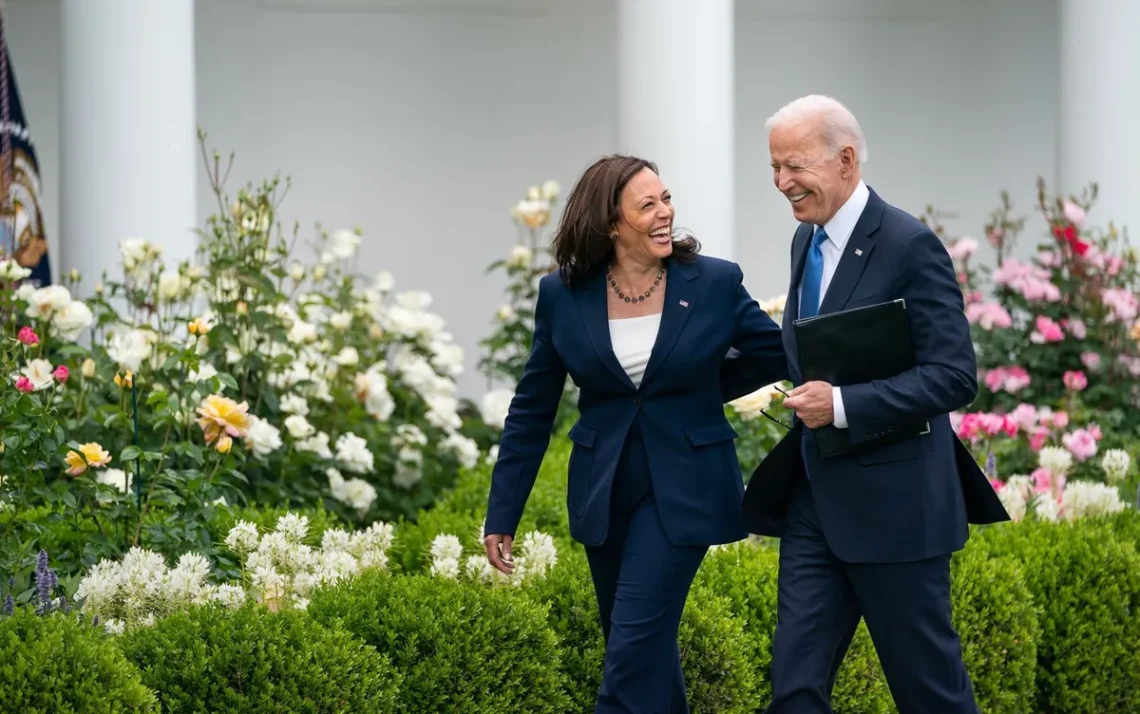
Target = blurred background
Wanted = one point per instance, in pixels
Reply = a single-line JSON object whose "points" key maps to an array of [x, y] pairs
{"points": [[424, 121]]}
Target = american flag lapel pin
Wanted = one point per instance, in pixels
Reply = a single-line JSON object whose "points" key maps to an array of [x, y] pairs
{"points": [[684, 303], [858, 251]]}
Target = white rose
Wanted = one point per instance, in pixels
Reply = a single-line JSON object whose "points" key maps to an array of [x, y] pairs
{"points": [[39, 371], [495, 406], [45, 302], [130, 349], [343, 243], [205, 371], [384, 281], [414, 300], [294, 404], [71, 321], [347, 357], [520, 256], [299, 427], [115, 477], [263, 437], [171, 285], [11, 271]]}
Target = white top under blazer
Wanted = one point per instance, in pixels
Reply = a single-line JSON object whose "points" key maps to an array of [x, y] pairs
{"points": [[632, 339]]}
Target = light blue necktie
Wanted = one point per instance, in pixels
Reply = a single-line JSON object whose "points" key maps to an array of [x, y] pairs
{"points": [[813, 276]]}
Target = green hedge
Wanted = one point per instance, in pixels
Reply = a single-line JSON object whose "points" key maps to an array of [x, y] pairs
{"points": [[1047, 614], [253, 661], [459, 647], [1085, 580], [61, 664]]}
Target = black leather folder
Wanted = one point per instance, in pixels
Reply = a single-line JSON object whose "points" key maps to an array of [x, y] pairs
{"points": [[856, 346]]}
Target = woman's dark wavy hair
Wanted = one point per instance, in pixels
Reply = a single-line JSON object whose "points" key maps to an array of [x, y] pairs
{"points": [[582, 243]]}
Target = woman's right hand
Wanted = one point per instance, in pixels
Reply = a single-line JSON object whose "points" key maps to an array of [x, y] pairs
{"points": [[498, 547]]}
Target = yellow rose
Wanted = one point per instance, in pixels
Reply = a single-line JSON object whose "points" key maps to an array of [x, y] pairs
{"points": [[90, 455], [221, 417], [88, 368], [198, 327]]}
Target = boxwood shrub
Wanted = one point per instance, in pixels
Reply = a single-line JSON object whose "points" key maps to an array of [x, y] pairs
{"points": [[1085, 580], [460, 646], [63, 664], [254, 661]]}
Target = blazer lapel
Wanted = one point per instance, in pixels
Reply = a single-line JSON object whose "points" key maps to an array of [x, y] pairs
{"points": [[854, 258], [591, 299], [680, 301]]}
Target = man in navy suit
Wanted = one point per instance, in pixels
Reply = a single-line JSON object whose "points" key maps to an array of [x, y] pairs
{"points": [[868, 534]]}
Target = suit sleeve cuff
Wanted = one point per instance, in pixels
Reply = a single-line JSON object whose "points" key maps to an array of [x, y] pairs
{"points": [[840, 415]]}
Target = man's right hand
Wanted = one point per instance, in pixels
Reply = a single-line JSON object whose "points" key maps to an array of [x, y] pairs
{"points": [[498, 548]]}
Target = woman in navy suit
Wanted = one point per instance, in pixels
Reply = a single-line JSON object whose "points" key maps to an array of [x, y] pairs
{"points": [[642, 324]]}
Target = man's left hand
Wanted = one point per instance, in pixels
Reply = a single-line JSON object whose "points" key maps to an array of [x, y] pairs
{"points": [[812, 402]]}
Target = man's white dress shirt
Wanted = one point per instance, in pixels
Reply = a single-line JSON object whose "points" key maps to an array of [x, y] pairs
{"points": [[838, 231]]}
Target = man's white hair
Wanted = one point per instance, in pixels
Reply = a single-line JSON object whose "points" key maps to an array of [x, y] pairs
{"points": [[840, 127]]}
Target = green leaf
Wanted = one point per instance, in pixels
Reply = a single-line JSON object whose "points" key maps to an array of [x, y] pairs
{"points": [[130, 453], [228, 380]]}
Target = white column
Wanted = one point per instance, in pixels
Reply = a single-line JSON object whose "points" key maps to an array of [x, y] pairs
{"points": [[129, 155], [1099, 104], [675, 107]]}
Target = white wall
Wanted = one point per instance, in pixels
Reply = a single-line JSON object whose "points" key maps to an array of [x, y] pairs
{"points": [[424, 126]]}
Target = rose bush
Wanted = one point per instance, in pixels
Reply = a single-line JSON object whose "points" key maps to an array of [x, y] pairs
{"points": [[507, 347], [265, 371], [1058, 357]]}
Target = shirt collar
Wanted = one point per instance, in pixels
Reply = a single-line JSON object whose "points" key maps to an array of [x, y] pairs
{"points": [[841, 225]]}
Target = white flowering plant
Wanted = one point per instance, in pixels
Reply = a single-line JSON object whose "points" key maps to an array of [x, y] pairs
{"points": [[506, 349], [280, 569], [264, 370], [536, 555]]}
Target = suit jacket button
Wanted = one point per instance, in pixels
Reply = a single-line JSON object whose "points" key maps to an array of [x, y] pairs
{"points": [[637, 400]]}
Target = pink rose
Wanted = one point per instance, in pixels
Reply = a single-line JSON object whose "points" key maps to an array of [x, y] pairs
{"points": [[963, 248], [998, 484], [1025, 415], [1081, 443], [988, 315], [1076, 328], [1045, 482], [1123, 304], [1007, 379], [1091, 360], [1132, 364], [60, 374], [1040, 437], [1073, 213], [28, 336], [1075, 380], [995, 237], [1095, 431], [25, 385], [1047, 331], [1061, 420], [1050, 259]]}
